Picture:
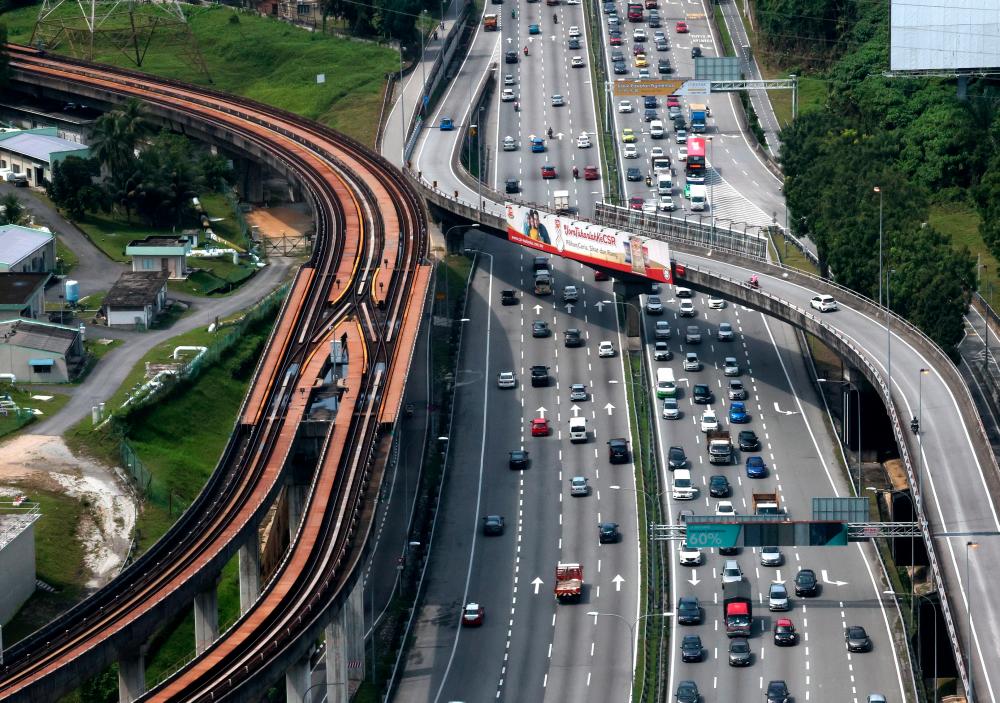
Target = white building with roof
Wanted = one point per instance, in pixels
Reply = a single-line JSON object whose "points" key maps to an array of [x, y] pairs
{"points": [[26, 250], [17, 554], [33, 151], [40, 352]]}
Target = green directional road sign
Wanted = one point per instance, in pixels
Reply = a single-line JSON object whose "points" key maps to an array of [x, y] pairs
{"points": [[712, 536]]}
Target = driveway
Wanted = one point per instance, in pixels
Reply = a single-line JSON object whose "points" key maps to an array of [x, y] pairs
{"points": [[109, 374]]}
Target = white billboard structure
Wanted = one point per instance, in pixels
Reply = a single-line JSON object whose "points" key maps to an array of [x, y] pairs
{"points": [[950, 35], [587, 242]]}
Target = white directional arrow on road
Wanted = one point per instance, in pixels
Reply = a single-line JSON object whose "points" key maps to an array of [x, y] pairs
{"points": [[694, 580], [536, 583], [618, 581], [599, 305], [576, 410], [541, 412], [609, 407], [569, 308], [538, 309], [560, 135], [783, 412], [826, 579]]}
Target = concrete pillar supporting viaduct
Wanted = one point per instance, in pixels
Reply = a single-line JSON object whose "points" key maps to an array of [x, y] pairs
{"points": [[354, 616], [249, 556], [132, 675], [297, 681], [295, 498], [206, 617], [336, 658]]}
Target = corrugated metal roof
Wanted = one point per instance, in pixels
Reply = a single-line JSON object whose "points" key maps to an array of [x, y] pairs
{"points": [[37, 335], [18, 243], [38, 146]]}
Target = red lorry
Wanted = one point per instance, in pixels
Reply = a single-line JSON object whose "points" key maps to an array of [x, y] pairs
{"points": [[737, 608], [569, 582]]}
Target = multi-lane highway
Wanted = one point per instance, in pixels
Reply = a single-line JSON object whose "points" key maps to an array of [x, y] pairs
{"points": [[531, 648]]}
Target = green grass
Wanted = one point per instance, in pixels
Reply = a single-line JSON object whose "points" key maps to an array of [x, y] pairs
{"points": [[67, 259], [58, 562], [961, 223], [12, 423], [791, 256], [724, 36], [269, 61], [111, 233], [217, 205], [812, 96], [218, 276]]}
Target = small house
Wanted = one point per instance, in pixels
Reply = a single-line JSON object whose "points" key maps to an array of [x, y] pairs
{"points": [[136, 299], [160, 253], [34, 151], [23, 294], [40, 352], [26, 250]]}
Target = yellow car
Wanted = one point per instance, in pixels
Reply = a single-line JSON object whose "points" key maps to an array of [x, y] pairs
{"points": [[640, 61], [628, 135]]}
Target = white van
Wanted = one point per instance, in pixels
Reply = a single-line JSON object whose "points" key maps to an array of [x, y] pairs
{"points": [[683, 488], [578, 429], [666, 387], [699, 198], [656, 129], [664, 186]]}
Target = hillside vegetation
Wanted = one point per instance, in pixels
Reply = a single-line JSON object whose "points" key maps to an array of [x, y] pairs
{"points": [[911, 137]]}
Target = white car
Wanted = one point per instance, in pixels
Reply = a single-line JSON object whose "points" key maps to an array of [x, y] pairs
{"points": [[682, 153], [558, 100], [508, 79], [509, 144], [731, 571], [574, 31], [625, 106], [630, 151], [709, 421], [583, 141], [605, 349], [577, 62], [639, 35], [716, 303], [570, 294], [506, 379], [690, 556], [656, 152], [644, 73], [686, 308], [507, 95], [649, 207], [725, 507], [770, 556], [682, 292], [823, 303], [666, 203]]}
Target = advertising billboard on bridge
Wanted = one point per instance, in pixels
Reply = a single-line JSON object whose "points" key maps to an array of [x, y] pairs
{"points": [[944, 36], [588, 242]]}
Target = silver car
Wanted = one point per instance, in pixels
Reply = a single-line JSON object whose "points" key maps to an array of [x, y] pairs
{"points": [[770, 556], [730, 367], [577, 391], [662, 330], [737, 391], [777, 597], [671, 411], [725, 333], [579, 486], [692, 335]]}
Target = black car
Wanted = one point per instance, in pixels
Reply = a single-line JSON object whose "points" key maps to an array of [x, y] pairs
{"points": [[540, 328], [609, 7], [805, 583], [617, 56], [748, 441], [493, 525], [607, 532], [679, 123], [784, 633], [510, 57], [687, 692], [691, 650], [618, 450], [663, 66], [648, 101], [620, 68], [649, 114], [573, 337], [540, 262], [508, 297], [512, 185], [633, 174], [857, 639], [739, 652], [539, 375], [777, 692], [676, 458], [729, 551], [702, 393], [654, 21], [718, 486], [695, 52], [573, 43], [662, 45], [518, 459], [688, 611]]}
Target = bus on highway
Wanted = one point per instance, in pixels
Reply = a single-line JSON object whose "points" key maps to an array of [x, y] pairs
{"points": [[695, 156], [635, 12]]}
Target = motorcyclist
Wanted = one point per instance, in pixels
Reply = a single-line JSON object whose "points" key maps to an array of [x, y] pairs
{"points": [[513, 13], [525, 50], [915, 425], [550, 133], [576, 172], [754, 282], [555, 18], [517, 106], [649, 181]]}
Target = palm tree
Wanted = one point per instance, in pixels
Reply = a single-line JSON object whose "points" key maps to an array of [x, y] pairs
{"points": [[117, 134]]}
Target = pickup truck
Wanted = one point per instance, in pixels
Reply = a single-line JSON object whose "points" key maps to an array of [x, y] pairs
{"points": [[720, 447], [569, 582], [767, 504], [737, 608], [490, 23]]}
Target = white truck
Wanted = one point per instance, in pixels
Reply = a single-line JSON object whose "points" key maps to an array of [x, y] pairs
{"points": [[699, 197], [560, 200], [720, 447]]}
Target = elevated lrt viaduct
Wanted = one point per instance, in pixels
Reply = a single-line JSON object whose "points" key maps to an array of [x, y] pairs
{"points": [[362, 294]]}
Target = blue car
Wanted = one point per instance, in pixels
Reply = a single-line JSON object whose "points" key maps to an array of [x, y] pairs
{"points": [[756, 468], [738, 413], [446, 124], [537, 144], [534, 29]]}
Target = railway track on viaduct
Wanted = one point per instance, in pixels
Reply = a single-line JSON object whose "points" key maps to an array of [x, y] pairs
{"points": [[364, 287]]}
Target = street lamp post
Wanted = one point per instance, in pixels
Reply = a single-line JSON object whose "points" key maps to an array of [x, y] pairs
{"points": [[879, 191], [888, 330], [968, 604], [920, 441]]}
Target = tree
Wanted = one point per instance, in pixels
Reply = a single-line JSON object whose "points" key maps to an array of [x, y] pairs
{"points": [[4, 57], [117, 134], [72, 186], [13, 210]]}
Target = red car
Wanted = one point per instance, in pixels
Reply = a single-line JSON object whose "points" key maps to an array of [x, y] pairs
{"points": [[540, 427], [638, 49], [636, 203], [601, 275], [784, 632], [616, 40], [590, 173], [681, 27], [473, 615], [673, 101], [548, 171]]}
